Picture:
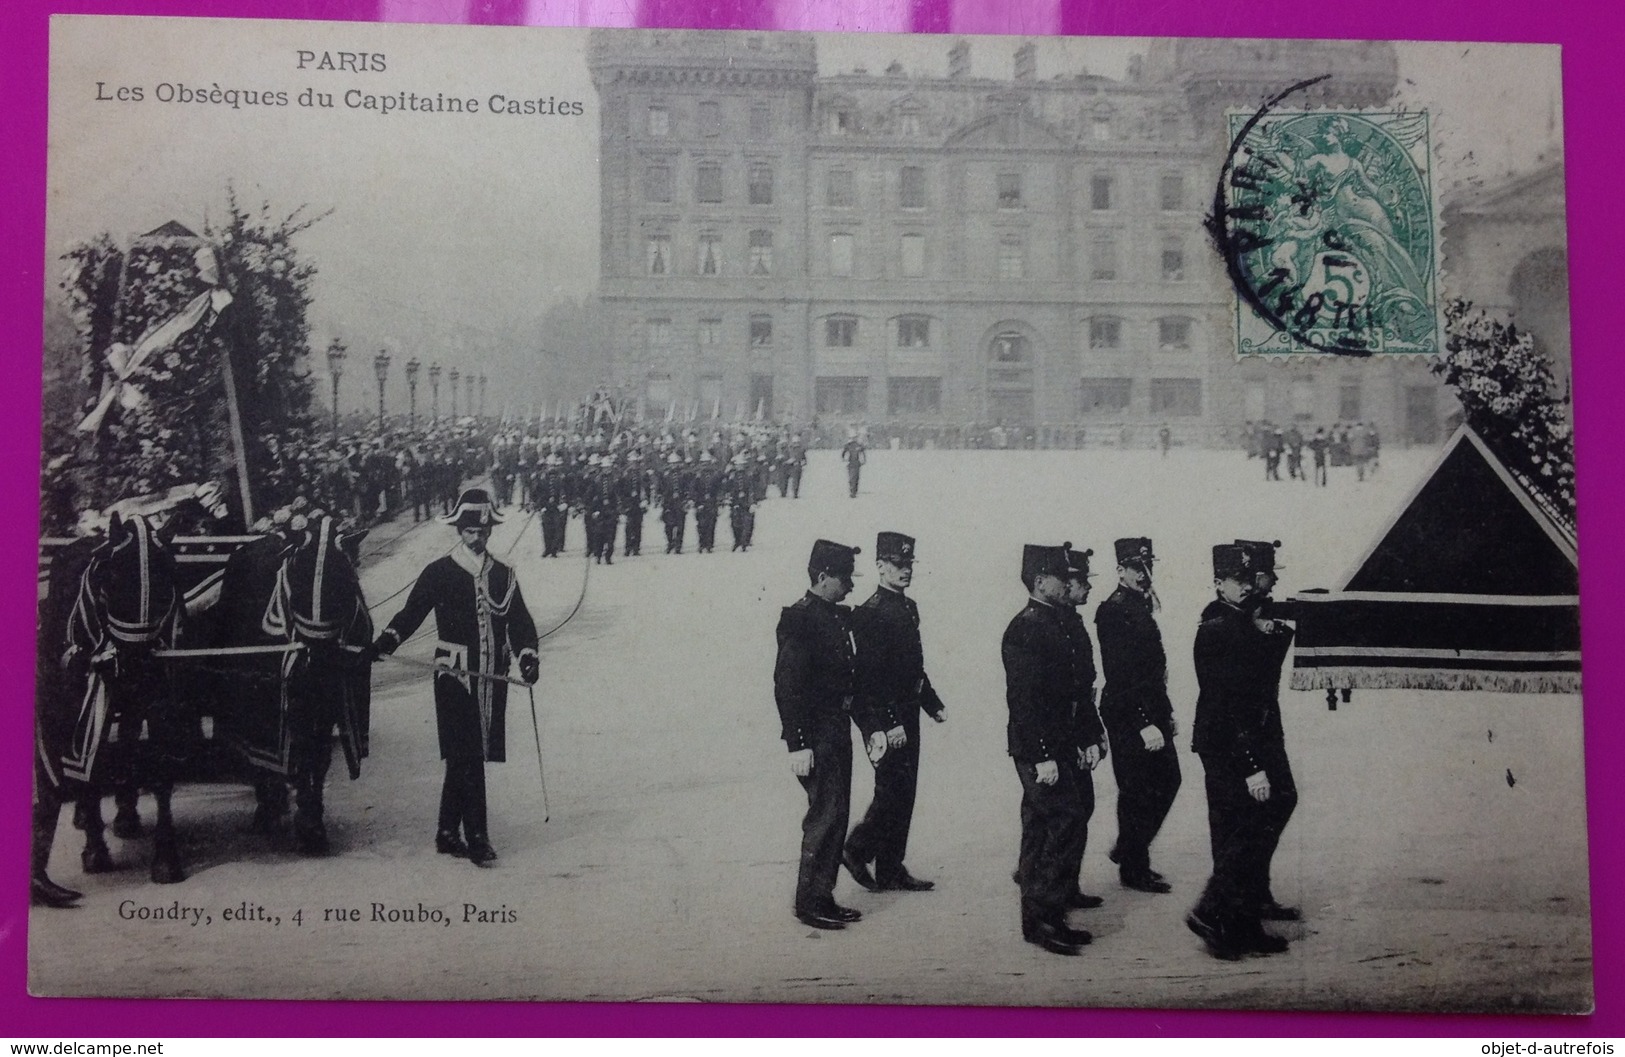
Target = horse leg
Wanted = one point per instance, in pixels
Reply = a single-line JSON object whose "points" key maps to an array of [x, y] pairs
{"points": [[310, 831], [95, 858], [166, 856], [127, 820], [270, 802]]}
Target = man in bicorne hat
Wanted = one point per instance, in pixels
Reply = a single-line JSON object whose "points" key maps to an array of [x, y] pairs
{"points": [[1055, 740], [813, 688], [481, 623], [1250, 789], [892, 691], [1138, 716]]}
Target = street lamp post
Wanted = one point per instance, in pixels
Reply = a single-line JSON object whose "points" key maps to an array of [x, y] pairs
{"points": [[380, 367], [454, 376], [335, 368], [468, 393], [412, 367], [434, 391], [482, 396]]}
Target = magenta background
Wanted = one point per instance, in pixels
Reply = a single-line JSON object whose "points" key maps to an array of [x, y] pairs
{"points": [[1590, 32]]}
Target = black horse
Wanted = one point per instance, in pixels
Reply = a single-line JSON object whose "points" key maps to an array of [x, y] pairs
{"points": [[126, 727], [316, 608]]}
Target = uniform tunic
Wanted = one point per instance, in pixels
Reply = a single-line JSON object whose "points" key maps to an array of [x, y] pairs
{"points": [[891, 690], [1049, 688], [482, 622], [1238, 733], [1136, 697], [813, 687]]}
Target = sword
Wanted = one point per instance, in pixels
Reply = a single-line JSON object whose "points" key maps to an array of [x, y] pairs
{"points": [[428, 666], [536, 728]]}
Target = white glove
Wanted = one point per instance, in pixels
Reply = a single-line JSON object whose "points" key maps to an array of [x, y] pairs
{"points": [[1152, 737], [801, 763], [1258, 786], [897, 737], [1091, 756], [875, 747], [1048, 773]]}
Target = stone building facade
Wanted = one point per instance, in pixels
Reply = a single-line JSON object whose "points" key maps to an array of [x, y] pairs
{"points": [[881, 246]]}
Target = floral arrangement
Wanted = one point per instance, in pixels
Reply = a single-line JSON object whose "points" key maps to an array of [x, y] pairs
{"points": [[1506, 389]]}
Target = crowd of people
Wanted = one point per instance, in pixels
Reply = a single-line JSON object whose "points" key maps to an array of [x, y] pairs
{"points": [[1355, 444]]}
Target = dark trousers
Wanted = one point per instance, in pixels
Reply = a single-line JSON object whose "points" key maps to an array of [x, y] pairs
{"points": [[705, 524], [1054, 833], [795, 483], [852, 473], [674, 530], [634, 531], [462, 797], [882, 834], [1146, 785], [829, 799], [1244, 833], [553, 523]]}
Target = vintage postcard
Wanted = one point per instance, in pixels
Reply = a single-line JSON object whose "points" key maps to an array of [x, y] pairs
{"points": [[560, 515]]}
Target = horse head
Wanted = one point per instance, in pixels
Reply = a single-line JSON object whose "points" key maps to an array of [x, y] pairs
{"points": [[134, 581], [322, 588]]}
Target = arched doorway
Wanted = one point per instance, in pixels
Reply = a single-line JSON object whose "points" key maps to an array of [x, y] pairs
{"points": [[1011, 355]]}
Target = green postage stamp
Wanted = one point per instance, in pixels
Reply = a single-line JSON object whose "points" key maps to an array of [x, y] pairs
{"points": [[1329, 229]]}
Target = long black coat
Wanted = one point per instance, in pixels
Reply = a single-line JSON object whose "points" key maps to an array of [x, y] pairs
{"points": [[1133, 660], [814, 675], [1238, 678], [482, 624], [1049, 672], [891, 681]]}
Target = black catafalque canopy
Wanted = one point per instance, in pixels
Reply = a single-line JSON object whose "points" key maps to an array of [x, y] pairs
{"points": [[1474, 586]]}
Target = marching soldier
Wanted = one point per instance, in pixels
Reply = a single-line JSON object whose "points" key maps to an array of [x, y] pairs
{"points": [[1138, 716], [1250, 789], [634, 500], [1055, 739], [741, 489], [674, 502], [707, 490], [796, 461], [813, 688], [853, 455], [892, 691], [482, 623], [551, 497]]}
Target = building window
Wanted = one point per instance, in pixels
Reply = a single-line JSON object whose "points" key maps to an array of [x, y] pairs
{"points": [[914, 396], [708, 183], [710, 118], [1174, 334], [710, 332], [842, 121], [913, 332], [659, 333], [761, 332], [912, 250], [909, 123], [659, 121], [842, 396], [1170, 124], [1100, 127], [710, 261], [657, 184], [1100, 191], [840, 332], [710, 392], [1010, 190], [761, 253], [1103, 260], [761, 121], [838, 192], [1009, 347], [840, 255], [911, 188], [1173, 191], [761, 185], [657, 392], [1176, 396], [1173, 263], [659, 257], [1105, 333], [1348, 402], [1303, 400], [1012, 257], [1106, 396]]}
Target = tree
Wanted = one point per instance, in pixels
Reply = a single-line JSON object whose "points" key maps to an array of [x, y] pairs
{"points": [[1507, 392], [170, 426]]}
